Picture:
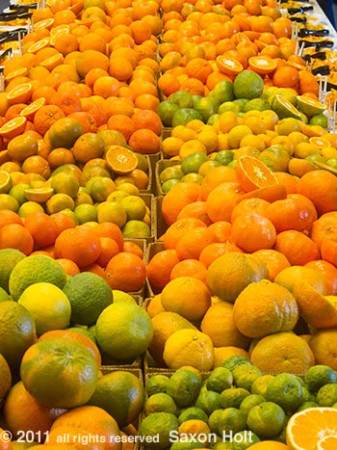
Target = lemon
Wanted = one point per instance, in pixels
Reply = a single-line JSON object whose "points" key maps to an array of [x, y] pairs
{"points": [[160, 402], [120, 296], [48, 305], [34, 269]]}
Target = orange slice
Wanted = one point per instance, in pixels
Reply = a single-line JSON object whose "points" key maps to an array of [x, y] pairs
{"points": [[13, 127], [268, 193], [20, 72], [327, 443], [228, 65], [53, 61], [253, 174], [31, 109], [262, 64], [315, 309], [64, 28], [20, 94], [45, 23], [39, 45], [306, 428], [121, 160], [309, 131]]}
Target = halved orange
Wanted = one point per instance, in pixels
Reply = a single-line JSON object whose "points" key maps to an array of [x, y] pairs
{"points": [[306, 428], [30, 110], [121, 160], [45, 23], [20, 72], [39, 45], [262, 64], [309, 131], [20, 94], [327, 443], [228, 65], [268, 193], [53, 61], [64, 28], [254, 174], [13, 127]]}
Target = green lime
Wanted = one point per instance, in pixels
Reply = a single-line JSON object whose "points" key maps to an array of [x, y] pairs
{"points": [[223, 91], [319, 375], [158, 429], [260, 384], [156, 384], [65, 183], [233, 164], [241, 103], [332, 162], [244, 439], [166, 111], [231, 421], [286, 391], [86, 213], [18, 192], [224, 157], [309, 106], [83, 197], [183, 99], [213, 420], [234, 361], [213, 119], [233, 397], [229, 106], [206, 106], [307, 395], [167, 185], [220, 379], [306, 405], [207, 400], [184, 444], [83, 330], [193, 162], [245, 375], [319, 119], [266, 420], [227, 445], [100, 187], [9, 257], [160, 402], [327, 395], [185, 115], [8, 202], [68, 212], [248, 84], [193, 178], [4, 297], [284, 108], [184, 386], [249, 402], [171, 172], [58, 202], [193, 412], [256, 104]]}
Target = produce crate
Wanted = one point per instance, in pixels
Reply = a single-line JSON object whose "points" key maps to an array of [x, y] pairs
{"points": [[151, 204], [134, 368], [152, 250], [151, 183], [161, 225], [153, 158], [160, 166]]}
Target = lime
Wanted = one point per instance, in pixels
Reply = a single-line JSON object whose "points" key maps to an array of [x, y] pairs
{"points": [[100, 187], [248, 84], [231, 421], [319, 119], [307, 405], [206, 106], [158, 430], [9, 257], [171, 172], [224, 157], [65, 183], [207, 400], [220, 379], [213, 420], [245, 375], [18, 192], [332, 162], [160, 402], [89, 294], [309, 106], [234, 361], [156, 384], [266, 420], [48, 305], [184, 386], [4, 297], [213, 119], [58, 202], [256, 104], [223, 91], [249, 402], [244, 439], [86, 213], [327, 395], [229, 106], [136, 229], [183, 99], [319, 375], [241, 103], [227, 445], [166, 111], [285, 390], [185, 444], [8, 202], [185, 115], [193, 162], [284, 108], [134, 206], [260, 384], [233, 397], [193, 412]]}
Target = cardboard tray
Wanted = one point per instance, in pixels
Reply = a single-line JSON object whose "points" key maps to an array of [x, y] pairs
{"points": [[161, 165]]}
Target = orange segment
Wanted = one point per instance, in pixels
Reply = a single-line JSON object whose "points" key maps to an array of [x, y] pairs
{"points": [[45, 23], [121, 160], [306, 428], [20, 72], [30, 110], [13, 127], [53, 61], [39, 45], [327, 443], [253, 174], [20, 94], [268, 193]]}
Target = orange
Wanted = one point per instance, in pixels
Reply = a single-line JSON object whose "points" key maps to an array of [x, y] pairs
{"points": [[253, 174], [223, 353], [298, 248], [324, 227], [212, 251], [189, 268], [106, 86], [122, 123], [80, 244], [8, 217], [159, 269], [192, 243], [179, 196], [318, 423], [42, 228], [46, 116], [221, 201], [87, 147], [144, 141], [186, 296], [322, 195], [147, 119], [273, 260], [252, 232], [188, 347], [286, 76], [126, 272], [16, 236], [13, 127], [90, 59], [64, 132], [110, 230], [323, 346], [329, 273], [289, 276], [23, 146], [92, 41], [282, 352], [69, 267]]}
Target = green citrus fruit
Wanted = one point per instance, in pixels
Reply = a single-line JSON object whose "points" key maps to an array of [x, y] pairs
{"points": [[232, 420], [248, 84], [158, 429], [233, 397], [220, 379], [160, 402], [266, 420], [184, 386], [9, 257], [319, 375], [156, 384], [193, 412], [327, 395], [285, 390]]}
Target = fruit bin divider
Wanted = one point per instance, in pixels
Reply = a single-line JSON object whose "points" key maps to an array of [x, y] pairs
{"points": [[161, 165], [160, 225], [151, 251], [151, 184], [149, 200]]}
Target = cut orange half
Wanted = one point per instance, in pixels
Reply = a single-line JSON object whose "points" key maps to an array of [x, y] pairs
{"points": [[30, 110], [327, 443], [45, 23], [13, 127], [121, 160], [228, 65], [39, 45], [269, 193], [254, 174], [20, 72], [20, 94], [53, 61], [64, 28], [309, 131], [306, 428], [262, 64]]}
